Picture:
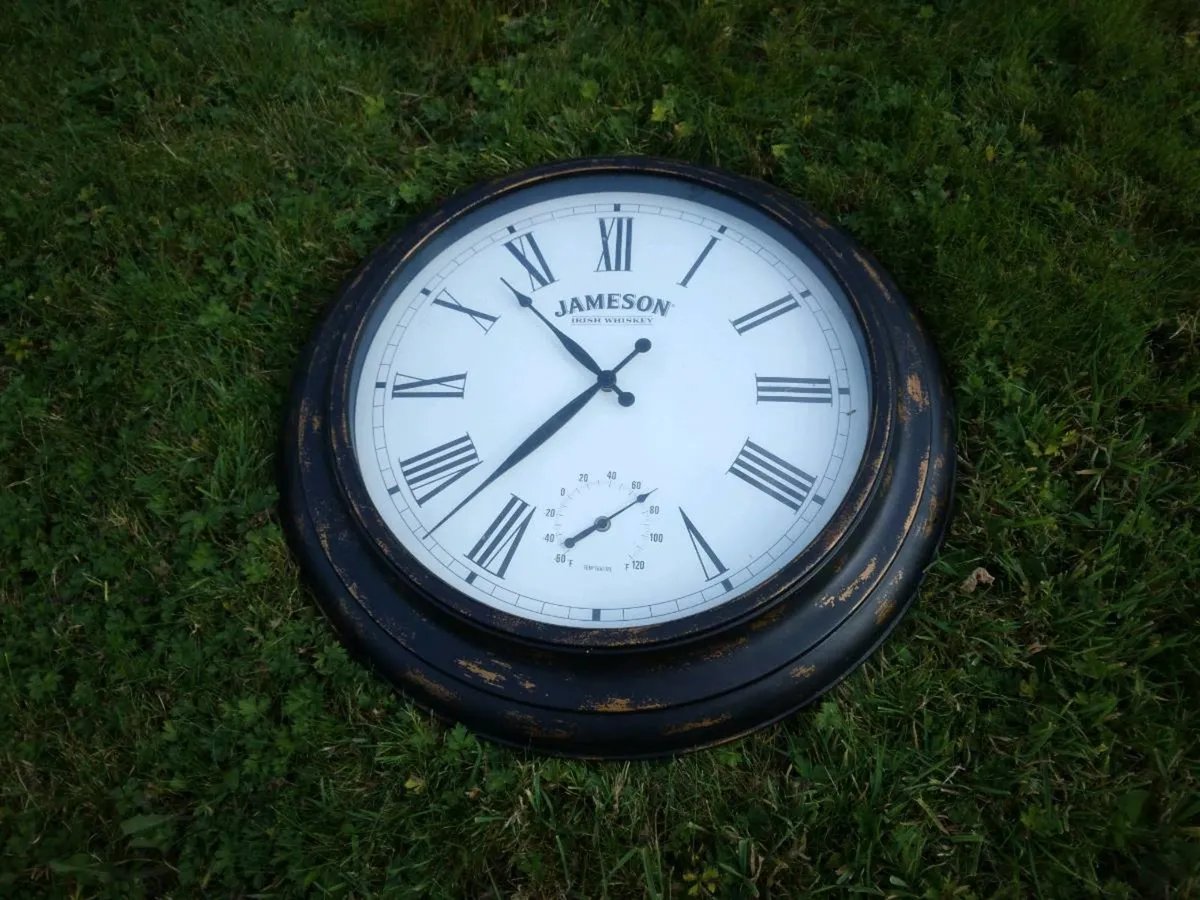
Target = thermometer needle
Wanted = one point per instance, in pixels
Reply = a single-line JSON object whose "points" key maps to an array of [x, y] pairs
{"points": [[603, 523]]}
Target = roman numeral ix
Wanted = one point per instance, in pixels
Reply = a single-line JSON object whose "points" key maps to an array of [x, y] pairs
{"points": [[443, 386], [494, 551], [482, 319], [522, 248], [765, 314], [793, 390], [713, 567], [616, 244], [428, 474], [775, 477]]}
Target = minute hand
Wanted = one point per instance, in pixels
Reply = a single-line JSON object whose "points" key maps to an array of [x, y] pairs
{"points": [[531, 443]]}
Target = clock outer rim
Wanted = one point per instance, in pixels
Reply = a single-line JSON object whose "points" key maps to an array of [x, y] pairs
{"points": [[605, 712]]}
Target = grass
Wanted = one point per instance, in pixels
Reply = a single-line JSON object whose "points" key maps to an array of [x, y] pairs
{"points": [[183, 185]]}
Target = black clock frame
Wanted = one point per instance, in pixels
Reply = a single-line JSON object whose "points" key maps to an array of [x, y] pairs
{"points": [[655, 689]]}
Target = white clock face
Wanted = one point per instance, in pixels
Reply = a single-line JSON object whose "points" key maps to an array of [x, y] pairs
{"points": [[728, 436]]}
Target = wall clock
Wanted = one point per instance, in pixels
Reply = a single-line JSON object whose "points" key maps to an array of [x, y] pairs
{"points": [[617, 457]]}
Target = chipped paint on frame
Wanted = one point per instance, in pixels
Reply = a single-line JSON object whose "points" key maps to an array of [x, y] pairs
{"points": [[483, 670], [874, 276], [916, 392], [480, 671], [435, 689], [697, 725]]}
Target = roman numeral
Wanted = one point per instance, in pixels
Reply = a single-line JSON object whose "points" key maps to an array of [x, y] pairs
{"points": [[435, 470], [494, 551], [775, 477], [482, 319], [713, 567], [712, 242], [793, 390], [444, 386], [616, 244], [537, 268], [766, 313]]}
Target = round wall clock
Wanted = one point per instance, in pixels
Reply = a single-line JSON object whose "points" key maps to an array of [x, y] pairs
{"points": [[617, 457]]}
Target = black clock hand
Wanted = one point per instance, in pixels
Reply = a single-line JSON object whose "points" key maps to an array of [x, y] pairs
{"points": [[609, 381], [531, 443], [605, 380], [602, 523], [608, 378], [584, 358], [641, 345]]}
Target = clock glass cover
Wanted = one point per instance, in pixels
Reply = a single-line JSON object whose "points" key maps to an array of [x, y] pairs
{"points": [[609, 401]]}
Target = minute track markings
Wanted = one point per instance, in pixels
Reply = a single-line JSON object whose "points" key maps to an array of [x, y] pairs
{"points": [[551, 251]]}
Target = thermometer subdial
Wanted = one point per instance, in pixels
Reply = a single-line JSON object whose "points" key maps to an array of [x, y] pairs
{"points": [[601, 523]]}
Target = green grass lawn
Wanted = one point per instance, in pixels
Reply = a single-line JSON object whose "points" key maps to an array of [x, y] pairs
{"points": [[183, 185]]}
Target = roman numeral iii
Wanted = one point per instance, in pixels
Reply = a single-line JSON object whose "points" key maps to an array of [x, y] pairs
{"points": [[494, 551], [616, 244], [443, 386], [482, 319], [775, 477], [765, 314], [772, 389], [428, 474], [527, 252]]}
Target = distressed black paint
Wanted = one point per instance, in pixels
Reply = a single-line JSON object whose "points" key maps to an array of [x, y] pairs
{"points": [[683, 684]]}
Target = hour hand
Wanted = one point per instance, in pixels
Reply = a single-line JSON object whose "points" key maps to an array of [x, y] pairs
{"points": [[582, 356]]}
